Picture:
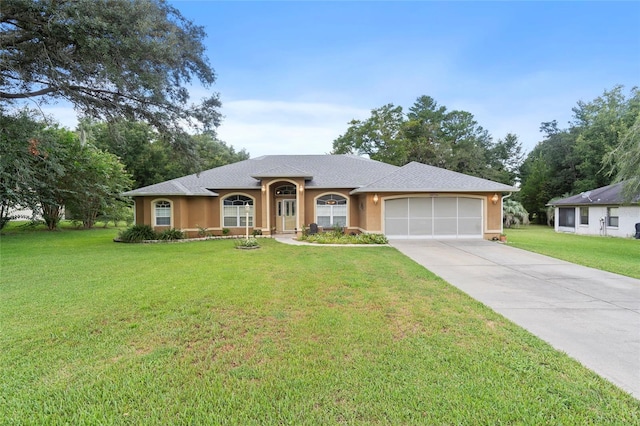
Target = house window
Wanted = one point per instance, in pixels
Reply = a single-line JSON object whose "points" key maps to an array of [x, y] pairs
{"points": [[163, 213], [612, 216], [567, 217], [584, 215], [234, 211], [286, 190], [331, 211]]}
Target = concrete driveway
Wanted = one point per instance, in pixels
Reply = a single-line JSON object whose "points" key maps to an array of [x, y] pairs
{"points": [[591, 315]]}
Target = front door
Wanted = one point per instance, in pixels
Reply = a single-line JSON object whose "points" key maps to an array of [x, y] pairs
{"points": [[286, 216]]}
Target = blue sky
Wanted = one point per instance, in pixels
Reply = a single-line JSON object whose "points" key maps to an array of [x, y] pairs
{"points": [[291, 75]]}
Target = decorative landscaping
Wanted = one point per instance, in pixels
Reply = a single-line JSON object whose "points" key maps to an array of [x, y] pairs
{"points": [[338, 236]]}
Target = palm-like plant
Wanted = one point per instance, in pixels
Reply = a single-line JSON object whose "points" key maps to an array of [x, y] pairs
{"points": [[514, 214]]}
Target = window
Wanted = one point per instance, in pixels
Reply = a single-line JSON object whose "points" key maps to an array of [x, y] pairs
{"points": [[584, 215], [331, 210], [612, 216], [234, 212], [567, 217], [163, 213], [286, 190]]}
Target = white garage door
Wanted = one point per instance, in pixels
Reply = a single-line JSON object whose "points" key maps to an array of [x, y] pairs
{"points": [[433, 217]]}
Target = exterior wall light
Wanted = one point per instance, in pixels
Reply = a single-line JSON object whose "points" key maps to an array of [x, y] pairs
{"points": [[375, 199], [494, 199]]}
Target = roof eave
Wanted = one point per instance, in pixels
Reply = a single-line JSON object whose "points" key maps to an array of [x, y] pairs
{"points": [[432, 190], [167, 194]]}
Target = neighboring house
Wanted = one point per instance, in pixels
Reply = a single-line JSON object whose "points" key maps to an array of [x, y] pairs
{"points": [[284, 193], [601, 211]]}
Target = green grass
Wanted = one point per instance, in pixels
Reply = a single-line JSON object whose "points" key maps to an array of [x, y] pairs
{"points": [[95, 332], [618, 255]]}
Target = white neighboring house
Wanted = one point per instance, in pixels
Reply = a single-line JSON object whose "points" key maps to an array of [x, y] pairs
{"points": [[24, 214], [602, 211]]}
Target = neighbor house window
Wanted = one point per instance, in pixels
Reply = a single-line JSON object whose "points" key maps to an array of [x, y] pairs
{"points": [[584, 215], [567, 217], [234, 212], [331, 211], [612, 216], [163, 213]]}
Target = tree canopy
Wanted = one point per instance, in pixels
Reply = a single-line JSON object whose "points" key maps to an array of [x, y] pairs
{"points": [[44, 168], [431, 134], [109, 58], [148, 156], [600, 146]]}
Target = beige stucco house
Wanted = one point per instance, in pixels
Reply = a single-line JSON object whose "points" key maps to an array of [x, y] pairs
{"points": [[284, 193]]}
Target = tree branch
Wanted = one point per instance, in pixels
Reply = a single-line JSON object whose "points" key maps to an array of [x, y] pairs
{"points": [[45, 91]]}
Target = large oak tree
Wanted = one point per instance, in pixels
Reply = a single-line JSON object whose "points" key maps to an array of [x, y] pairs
{"points": [[109, 58]]}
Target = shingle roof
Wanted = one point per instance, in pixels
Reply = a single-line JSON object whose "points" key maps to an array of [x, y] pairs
{"points": [[606, 195], [324, 171], [283, 171], [172, 187], [418, 177]]}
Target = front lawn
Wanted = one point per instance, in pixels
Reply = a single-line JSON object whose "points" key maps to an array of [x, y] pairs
{"points": [[618, 255], [94, 332]]}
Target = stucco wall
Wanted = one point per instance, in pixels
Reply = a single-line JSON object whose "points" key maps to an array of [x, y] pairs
{"points": [[192, 213]]}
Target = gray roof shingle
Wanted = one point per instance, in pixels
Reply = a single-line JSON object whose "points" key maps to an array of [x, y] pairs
{"points": [[418, 177], [606, 195], [324, 171]]}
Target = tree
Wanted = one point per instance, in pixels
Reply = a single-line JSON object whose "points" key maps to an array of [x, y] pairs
{"points": [[600, 123], [513, 213], [27, 152], [624, 160], [379, 137], [535, 192], [429, 134], [216, 153], [109, 58], [94, 180], [506, 157], [148, 157], [600, 144]]}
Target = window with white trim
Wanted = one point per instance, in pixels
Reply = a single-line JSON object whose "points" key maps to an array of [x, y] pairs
{"points": [[233, 211], [567, 217], [612, 217], [331, 211], [584, 215], [163, 213]]}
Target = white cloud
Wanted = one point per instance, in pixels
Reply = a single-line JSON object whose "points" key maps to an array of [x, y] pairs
{"points": [[281, 127]]}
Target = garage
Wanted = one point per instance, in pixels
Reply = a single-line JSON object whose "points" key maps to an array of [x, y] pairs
{"points": [[433, 217]]}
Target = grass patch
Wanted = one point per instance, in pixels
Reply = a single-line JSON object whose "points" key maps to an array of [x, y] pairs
{"points": [[95, 332], [618, 255]]}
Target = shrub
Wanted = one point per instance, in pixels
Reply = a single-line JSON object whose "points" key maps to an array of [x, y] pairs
{"points": [[225, 231], [137, 233], [372, 239], [247, 243], [256, 232], [202, 232], [171, 234], [334, 237]]}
